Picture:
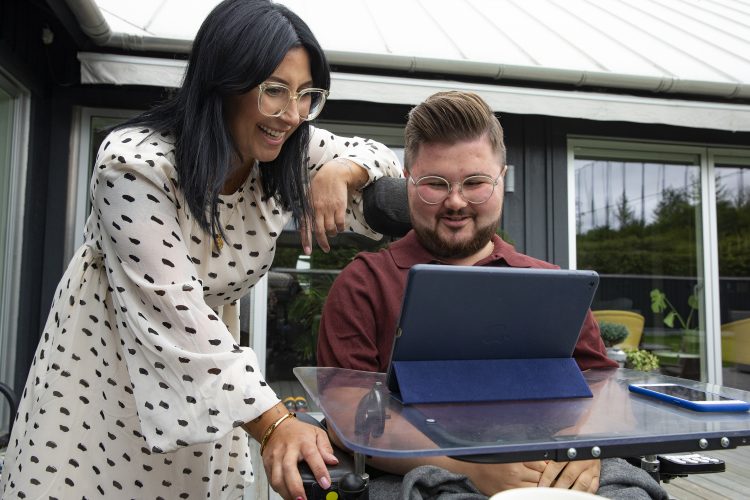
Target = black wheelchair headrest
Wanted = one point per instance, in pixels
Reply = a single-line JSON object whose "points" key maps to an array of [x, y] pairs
{"points": [[386, 208]]}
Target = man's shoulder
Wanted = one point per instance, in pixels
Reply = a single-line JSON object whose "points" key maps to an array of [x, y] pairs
{"points": [[370, 260], [513, 258], [536, 263], [376, 269]]}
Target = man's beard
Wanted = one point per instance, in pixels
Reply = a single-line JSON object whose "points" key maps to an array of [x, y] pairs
{"points": [[442, 249]]}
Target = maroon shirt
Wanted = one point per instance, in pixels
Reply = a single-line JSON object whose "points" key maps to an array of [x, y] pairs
{"points": [[360, 315]]}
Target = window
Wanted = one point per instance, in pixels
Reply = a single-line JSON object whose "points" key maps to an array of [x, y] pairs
{"points": [[88, 134], [732, 180], [14, 125], [649, 218], [289, 299]]}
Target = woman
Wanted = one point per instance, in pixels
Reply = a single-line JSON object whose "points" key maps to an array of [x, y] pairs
{"points": [[138, 388]]}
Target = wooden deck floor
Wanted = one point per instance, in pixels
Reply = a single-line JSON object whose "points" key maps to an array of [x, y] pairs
{"points": [[732, 484]]}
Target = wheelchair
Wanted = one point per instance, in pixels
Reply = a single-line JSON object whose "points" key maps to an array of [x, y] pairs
{"points": [[386, 211]]}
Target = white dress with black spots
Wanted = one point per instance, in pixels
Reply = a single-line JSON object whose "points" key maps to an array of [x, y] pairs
{"points": [[138, 385]]}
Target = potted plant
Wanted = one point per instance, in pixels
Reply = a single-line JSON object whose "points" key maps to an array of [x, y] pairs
{"points": [[612, 334], [684, 361], [638, 359], [689, 334]]}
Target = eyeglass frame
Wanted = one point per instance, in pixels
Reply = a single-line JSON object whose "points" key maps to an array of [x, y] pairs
{"points": [[292, 96], [460, 183]]}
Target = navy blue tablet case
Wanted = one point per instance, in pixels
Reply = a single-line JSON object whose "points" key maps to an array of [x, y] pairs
{"points": [[473, 333]]}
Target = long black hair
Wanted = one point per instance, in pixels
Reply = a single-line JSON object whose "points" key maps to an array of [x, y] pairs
{"points": [[237, 47]]}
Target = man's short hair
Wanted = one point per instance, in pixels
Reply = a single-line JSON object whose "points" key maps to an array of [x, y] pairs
{"points": [[450, 117]]}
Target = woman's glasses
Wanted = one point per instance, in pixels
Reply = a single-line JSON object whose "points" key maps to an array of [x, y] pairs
{"points": [[475, 189], [274, 99]]}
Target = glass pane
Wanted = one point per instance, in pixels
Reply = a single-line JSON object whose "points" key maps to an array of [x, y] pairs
{"points": [[733, 221], [297, 289], [6, 120], [99, 127], [638, 225]]}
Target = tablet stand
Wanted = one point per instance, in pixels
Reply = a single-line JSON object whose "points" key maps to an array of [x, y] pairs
{"points": [[465, 381]]}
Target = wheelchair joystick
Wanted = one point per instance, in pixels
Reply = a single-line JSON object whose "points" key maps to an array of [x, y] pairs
{"points": [[369, 421], [354, 487], [370, 417]]}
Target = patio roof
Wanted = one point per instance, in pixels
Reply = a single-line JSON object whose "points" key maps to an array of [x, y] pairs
{"points": [[684, 49]]}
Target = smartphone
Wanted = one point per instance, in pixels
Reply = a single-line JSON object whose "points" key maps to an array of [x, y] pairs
{"points": [[689, 397]]}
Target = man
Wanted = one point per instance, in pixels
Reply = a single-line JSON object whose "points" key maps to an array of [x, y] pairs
{"points": [[455, 161]]}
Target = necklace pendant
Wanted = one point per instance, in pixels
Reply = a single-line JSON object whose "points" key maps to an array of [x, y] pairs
{"points": [[219, 242]]}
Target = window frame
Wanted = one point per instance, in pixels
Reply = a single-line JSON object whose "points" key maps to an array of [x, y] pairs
{"points": [[14, 216], [622, 148], [391, 135], [79, 171]]}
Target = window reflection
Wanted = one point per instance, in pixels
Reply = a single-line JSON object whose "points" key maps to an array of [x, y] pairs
{"points": [[733, 228], [638, 225], [297, 288], [6, 130]]}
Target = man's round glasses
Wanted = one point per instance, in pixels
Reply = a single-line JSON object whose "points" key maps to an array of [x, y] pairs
{"points": [[475, 189], [274, 98]]}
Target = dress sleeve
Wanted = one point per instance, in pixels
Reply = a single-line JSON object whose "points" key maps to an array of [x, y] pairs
{"points": [[377, 159], [191, 382]]}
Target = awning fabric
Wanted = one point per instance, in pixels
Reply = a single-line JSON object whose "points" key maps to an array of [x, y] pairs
{"points": [[99, 68]]}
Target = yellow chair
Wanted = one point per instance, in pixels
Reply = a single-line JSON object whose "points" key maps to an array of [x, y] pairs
{"points": [[735, 342], [632, 321]]}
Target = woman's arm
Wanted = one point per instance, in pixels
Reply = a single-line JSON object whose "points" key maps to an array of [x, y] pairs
{"points": [[340, 167]]}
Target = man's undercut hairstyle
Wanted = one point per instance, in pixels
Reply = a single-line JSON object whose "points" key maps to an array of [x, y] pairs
{"points": [[450, 117]]}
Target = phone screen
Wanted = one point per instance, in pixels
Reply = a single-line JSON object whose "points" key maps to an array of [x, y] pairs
{"points": [[687, 393]]}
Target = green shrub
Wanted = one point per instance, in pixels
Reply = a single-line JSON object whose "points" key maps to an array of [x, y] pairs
{"points": [[612, 333], [638, 359]]}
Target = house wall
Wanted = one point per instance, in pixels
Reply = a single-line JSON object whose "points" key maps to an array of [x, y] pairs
{"points": [[535, 216], [49, 73], [24, 59]]}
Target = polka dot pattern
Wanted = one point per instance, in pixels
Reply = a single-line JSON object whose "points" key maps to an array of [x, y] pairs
{"points": [[139, 384]]}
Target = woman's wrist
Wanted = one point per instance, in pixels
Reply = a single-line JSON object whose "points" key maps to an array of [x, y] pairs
{"points": [[258, 426], [357, 175], [271, 428]]}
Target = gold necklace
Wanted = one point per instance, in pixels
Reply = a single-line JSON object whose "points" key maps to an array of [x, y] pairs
{"points": [[219, 242]]}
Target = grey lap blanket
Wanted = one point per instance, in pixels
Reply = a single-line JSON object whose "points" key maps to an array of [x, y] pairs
{"points": [[618, 480]]}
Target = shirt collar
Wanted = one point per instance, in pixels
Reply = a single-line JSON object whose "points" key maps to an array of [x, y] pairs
{"points": [[408, 251]]}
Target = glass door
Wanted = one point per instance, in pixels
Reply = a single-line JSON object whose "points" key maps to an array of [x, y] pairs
{"points": [[14, 126], [639, 223], [6, 128], [732, 179], [87, 136], [290, 297]]}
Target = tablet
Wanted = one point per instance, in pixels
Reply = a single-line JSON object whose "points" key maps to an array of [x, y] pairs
{"points": [[486, 313]]}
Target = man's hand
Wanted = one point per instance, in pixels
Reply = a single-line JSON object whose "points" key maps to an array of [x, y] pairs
{"points": [[581, 475], [492, 478], [329, 191]]}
